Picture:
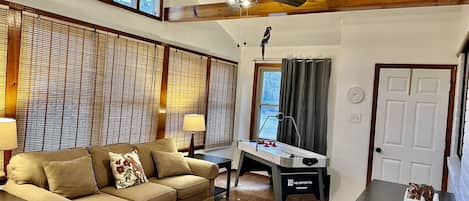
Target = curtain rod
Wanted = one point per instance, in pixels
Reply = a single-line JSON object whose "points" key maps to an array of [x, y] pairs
{"points": [[280, 59]]}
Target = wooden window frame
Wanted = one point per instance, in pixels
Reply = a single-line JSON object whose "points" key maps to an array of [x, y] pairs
{"points": [[255, 89], [137, 10]]}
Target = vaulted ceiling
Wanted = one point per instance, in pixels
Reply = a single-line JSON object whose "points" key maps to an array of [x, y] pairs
{"points": [[202, 10]]}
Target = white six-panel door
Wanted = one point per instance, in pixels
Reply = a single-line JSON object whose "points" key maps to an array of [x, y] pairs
{"points": [[411, 125]]}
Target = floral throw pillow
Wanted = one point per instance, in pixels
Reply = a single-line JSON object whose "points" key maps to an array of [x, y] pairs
{"points": [[127, 169]]}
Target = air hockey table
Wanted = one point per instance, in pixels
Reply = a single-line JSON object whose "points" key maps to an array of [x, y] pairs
{"points": [[293, 170]]}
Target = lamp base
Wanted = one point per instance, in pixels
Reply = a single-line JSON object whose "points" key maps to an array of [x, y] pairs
{"points": [[190, 152], [3, 180]]}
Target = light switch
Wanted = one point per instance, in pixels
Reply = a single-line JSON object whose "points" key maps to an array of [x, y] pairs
{"points": [[356, 118]]}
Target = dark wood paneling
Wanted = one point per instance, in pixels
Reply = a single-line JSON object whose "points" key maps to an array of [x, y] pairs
{"points": [[163, 94], [220, 11], [252, 129], [449, 123], [207, 92], [12, 69]]}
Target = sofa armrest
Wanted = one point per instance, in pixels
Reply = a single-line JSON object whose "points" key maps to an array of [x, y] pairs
{"points": [[203, 168], [31, 192]]}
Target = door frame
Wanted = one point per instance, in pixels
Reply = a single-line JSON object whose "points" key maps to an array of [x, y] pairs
{"points": [[449, 121]]}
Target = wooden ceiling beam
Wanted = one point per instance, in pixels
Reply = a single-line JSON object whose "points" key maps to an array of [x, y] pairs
{"points": [[221, 11]]}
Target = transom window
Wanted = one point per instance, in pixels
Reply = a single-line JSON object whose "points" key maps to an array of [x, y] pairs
{"points": [[150, 8]]}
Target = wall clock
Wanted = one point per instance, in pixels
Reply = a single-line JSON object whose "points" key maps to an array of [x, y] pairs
{"points": [[355, 95]]}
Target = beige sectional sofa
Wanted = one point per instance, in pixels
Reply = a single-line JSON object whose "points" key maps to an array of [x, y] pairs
{"points": [[27, 179]]}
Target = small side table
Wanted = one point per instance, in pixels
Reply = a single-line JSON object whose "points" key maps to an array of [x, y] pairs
{"points": [[5, 196], [222, 163]]}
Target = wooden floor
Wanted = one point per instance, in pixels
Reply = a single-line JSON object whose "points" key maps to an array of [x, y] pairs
{"points": [[253, 187]]}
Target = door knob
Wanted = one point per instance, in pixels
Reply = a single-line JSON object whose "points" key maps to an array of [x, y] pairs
{"points": [[378, 150]]}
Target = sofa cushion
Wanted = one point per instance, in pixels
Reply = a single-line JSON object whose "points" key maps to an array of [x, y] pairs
{"points": [[145, 149], [100, 197], [26, 168], [143, 192], [127, 169], [170, 164], [101, 163], [186, 186], [71, 179]]}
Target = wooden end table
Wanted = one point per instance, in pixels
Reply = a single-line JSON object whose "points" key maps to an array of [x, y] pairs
{"points": [[222, 163]]}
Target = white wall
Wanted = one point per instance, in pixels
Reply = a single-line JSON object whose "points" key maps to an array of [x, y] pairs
{"points": [[207, 37], [366, 38]]}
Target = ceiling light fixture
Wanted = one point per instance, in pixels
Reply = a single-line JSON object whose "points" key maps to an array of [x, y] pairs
{"points": [[242, 3]]}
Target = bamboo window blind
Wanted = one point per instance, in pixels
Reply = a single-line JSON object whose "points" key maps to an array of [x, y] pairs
{"points": [[186, 94], [221, 104], [79, 87]]}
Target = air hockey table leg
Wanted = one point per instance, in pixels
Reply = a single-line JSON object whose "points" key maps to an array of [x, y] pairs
{"points": [[277, 184], [240, 166], [321, 184]]}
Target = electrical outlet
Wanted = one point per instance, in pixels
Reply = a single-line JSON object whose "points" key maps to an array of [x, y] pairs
{"points": [[356, 118]]}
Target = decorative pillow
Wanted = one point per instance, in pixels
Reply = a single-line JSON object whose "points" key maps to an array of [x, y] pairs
{"points": [[127, 169], [170, 164], [71, 179]]}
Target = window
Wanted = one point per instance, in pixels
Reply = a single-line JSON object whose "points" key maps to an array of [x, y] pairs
{"points": [[267, 97], [186, 94], [221, 104], [78, 87], [150, 8]]}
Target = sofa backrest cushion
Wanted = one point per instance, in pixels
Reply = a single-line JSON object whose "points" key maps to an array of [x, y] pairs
{"points": [[145, 149], [26, 168], [101, 162]]}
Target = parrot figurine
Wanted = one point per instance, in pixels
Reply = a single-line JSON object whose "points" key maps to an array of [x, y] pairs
{"points": [[265, 40]]}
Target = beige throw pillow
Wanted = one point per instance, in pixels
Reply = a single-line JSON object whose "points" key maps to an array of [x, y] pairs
{"points": [[127, 169], [170, 164], [71, 179]]}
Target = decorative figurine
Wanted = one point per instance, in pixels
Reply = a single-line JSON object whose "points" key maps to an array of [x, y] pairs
{"points": [[420, 192]]}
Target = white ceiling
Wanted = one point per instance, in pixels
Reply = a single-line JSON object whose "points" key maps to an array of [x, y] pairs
{"points": [[322, 28]]}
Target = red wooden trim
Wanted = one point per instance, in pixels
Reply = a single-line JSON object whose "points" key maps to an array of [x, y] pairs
{"points": [[449, 123], [12, 70], [254, 95], [207, 93], [163, 94], [449, 128]]}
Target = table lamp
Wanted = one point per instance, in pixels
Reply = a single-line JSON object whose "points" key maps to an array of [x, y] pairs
{"points": [[193, 123], [8, 141]]}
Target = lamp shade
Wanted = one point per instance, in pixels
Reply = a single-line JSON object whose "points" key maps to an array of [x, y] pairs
{"points": [[8, 139], [194, 122]]}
